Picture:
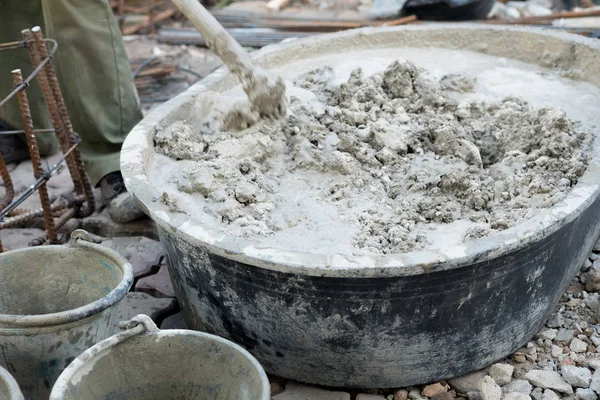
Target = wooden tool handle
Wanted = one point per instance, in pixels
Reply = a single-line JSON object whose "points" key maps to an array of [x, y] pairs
{"points": [[228, 49]]}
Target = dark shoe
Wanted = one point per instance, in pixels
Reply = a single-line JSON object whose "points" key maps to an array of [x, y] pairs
{"points": [[12, 149], [121, 206], [111, 186]]}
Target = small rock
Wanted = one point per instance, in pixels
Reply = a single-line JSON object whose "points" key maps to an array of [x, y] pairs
{"points": [[585, 394], [276, 388], [576, 376], [564, 335], [296, 391], [595, 339], [401, 394], [467, 383], [516, 396], [444, 396], [433, 389], [365, 396], [595, 383], [578, 346], [519, 386], [548, 380], [587, 264], [593, 278], [501, 373], [593, 363], [415, 394], [548, 333], [556, 351], [489, 389], [556, 321], [519, 357], [537, 393], [550, 395]]}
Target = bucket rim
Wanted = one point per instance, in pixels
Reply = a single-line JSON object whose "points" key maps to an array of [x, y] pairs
{"points": [[138, 150], [14, 391], [100, 349], [9, 321]]}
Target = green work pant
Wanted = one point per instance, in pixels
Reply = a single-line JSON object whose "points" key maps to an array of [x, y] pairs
{"points": [[93, 73]]}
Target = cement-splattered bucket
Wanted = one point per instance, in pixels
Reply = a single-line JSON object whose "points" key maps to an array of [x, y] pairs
{"points": [[145, 363], [55, 302], [9, 389]]}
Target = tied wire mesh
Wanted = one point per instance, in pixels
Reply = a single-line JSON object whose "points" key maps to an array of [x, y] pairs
{"points": [[55, 213]]}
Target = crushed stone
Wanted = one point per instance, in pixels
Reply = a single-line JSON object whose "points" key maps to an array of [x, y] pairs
{"points": [[384, 161]]}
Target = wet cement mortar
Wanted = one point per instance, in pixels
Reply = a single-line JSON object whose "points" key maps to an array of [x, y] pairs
{"points": [[383, 164]]}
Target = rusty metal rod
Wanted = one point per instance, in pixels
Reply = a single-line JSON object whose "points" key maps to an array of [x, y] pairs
{"points": [[34, 152], [23, 85], [50, 100], [60, 222], [9, 191], [31, 215], [12, 208], [89, 206]]}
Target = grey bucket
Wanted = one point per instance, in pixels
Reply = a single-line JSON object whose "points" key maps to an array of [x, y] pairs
{"points": [[9, 389], [146, 363], [55, 302]]}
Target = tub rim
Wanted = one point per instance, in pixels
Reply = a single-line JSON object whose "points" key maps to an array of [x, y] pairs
{"points": [[138, 148], [79, 314], [13, 387], [149, 329]]}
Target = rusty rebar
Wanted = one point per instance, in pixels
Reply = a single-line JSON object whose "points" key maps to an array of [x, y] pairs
{"points": [[35, 153], [88, 208], [49, 99], [19, 216], [60, 222], [25, 83], [9, 191]]}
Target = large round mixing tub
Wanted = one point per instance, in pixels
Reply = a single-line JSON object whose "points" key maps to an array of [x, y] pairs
{"points": [[379, 321]]}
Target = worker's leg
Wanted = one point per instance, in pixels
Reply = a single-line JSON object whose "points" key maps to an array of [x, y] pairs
{"points": [[95, 77], [15, 16]]}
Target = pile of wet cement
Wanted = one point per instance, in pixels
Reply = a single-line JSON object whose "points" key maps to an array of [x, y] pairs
{"points": [[385, 160]]}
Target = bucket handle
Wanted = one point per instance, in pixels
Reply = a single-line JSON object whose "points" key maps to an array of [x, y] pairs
{"points": [[137, 325], [80, 234]]}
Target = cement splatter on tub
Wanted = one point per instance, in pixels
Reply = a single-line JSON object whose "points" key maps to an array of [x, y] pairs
{"points": [[389, 163]]}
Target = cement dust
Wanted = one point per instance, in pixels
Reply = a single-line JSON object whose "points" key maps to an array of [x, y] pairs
{"points": [[386, 163]]}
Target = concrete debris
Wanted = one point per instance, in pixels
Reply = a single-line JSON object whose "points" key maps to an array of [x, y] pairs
{"points": [[518, 386], [516, 396], [415, 394], [296, 391], [578, 346], [593, 363], [401, 394], [577, 376], [489, 389], [585, 394], [595, 383], [550, 395], [432, 390], [467, 383], [548, 380], [501, 373], [537, 393]]}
